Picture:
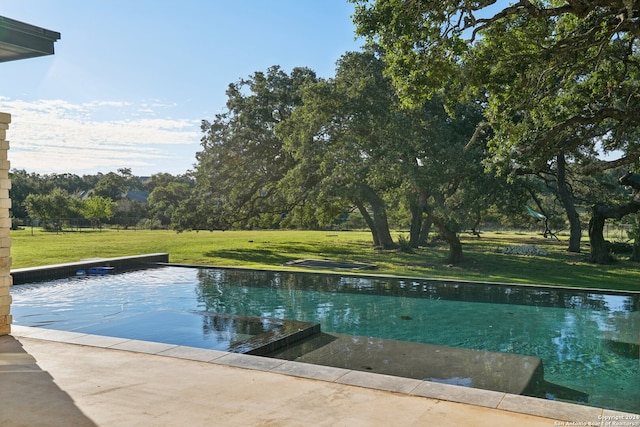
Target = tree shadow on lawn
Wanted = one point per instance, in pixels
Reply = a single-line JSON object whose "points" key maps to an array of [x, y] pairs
{"points": [[317, 249], [282, 253], [556, 269], [259, 256]]}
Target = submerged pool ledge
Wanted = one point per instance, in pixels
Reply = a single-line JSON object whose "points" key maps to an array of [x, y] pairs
{"points": [[446, 392], [501, 372], [61, 271]]}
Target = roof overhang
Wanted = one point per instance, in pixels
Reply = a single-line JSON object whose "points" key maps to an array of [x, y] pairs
{"points": [[21, 41]]}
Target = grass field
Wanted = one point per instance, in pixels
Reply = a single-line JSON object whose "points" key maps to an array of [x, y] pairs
{"points": [[484, 260]]}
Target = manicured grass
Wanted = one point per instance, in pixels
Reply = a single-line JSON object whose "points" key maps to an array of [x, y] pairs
{"points": [[270, 249]]}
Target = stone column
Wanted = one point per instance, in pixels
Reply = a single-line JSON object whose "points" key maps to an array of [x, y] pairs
{"points": [[5, 226]]}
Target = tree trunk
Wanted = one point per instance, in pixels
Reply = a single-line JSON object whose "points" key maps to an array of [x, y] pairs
{"points": [[635, 255], [425, 230], [420, 225], [474, 228], [379, 218], [566, 198], [416, 225], [451, 237], [600, 253], [370, 223]]}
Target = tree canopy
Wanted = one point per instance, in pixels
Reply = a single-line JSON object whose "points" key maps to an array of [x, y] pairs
{"points": [[557, 75], [341, 141], [559, 79], [242, 159], [299, 148]]}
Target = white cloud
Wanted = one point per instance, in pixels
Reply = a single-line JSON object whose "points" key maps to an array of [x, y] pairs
{"points": [[55, 136]]}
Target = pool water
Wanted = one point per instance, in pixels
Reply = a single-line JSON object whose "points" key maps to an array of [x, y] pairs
{"points": [[588, 341]]}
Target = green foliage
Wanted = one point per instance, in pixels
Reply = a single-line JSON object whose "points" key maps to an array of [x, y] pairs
{"points": [[23, 184], [559, 81], [51, 208], [39, 188], [404, 244], [242, 160], [298, 151], [556, 78], [341, 140], [111, 186], [423, 49], [164, 200], [354, 221], [97, 208]]}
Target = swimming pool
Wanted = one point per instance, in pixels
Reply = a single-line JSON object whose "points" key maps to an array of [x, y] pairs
{"points": [[588, 341]]}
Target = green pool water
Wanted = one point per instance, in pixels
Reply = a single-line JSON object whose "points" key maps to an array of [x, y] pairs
{"points": [[588, 341]]}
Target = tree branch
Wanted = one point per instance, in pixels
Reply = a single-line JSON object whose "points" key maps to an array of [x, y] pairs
{"points": [[589, 119], [630, 158]]}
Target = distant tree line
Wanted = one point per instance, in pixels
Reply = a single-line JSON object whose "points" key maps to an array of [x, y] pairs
{"points": [[56, 201]]}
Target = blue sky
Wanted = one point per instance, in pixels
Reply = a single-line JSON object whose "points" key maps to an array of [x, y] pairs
{"points": [[132, 79]]}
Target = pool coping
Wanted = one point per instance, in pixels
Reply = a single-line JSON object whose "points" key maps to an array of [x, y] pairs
{"points": [[570, 412]]}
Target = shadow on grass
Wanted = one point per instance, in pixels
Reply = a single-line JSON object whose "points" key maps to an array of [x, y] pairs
{"points": [[320, 250], [482, 263], [260, 256], [555, 269], [281, 253]]}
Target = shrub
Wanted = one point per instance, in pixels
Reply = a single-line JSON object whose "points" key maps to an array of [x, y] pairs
{"points": [[404, 244]]}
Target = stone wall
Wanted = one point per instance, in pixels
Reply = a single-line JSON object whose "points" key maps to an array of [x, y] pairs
{"points": [[5, 226]]}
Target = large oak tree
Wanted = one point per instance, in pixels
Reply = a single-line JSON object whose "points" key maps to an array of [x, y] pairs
{"points": [[352, 138], [242, 160], [561, 78]]}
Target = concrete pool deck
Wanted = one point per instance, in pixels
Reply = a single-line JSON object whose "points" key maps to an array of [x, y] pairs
{"points": [[58, 378]]}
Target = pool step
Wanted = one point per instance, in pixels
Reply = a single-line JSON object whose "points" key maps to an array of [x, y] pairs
{"points": [[487, 370]]}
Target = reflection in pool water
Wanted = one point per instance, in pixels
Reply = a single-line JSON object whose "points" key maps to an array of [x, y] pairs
{"points": [[588, 341]]}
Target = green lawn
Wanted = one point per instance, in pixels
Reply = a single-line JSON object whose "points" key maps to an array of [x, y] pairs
{"points": [[269, 249]]}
